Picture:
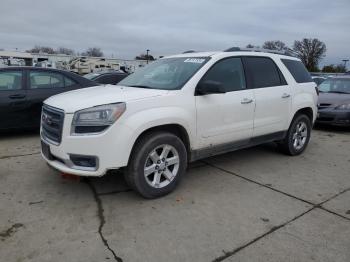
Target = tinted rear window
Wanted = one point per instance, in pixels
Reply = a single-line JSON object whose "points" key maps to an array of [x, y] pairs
{"points": [[298, 70], [262, 72]]}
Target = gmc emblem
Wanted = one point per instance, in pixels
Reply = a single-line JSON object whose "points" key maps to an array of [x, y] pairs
{"points": [[46, 119]]}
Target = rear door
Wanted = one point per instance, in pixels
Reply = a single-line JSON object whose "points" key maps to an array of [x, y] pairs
{"points": [[12, 99], [272, 95]]}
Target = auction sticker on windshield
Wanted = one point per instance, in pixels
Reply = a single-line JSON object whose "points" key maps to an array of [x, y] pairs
{"points": [[195, 60]]}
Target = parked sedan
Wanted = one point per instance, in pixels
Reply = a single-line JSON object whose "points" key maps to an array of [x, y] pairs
{"points": [[23, 89], [107, 77], [334, 101]]}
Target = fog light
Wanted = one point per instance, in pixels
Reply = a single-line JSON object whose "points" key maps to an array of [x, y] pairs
{"points": [[84, 161]]}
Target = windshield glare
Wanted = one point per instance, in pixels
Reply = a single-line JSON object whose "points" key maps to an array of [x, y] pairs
{"points": [[166, 74], [336, 85]]}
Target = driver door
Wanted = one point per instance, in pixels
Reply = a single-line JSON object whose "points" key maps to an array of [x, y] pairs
{"points": [[227, 117]]}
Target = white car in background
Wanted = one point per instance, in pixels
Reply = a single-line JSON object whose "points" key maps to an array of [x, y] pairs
{"points": [[179, 109]]}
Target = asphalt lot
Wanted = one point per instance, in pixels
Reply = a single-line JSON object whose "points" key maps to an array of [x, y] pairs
{"points": [[250, 205]]}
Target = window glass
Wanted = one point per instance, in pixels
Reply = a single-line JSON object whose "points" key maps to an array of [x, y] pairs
{"points": [[105, 79], [228, 72], [335, 85], [42, 79], [69, 82], [166, 73], [263, 72], [10, 80], [298, 70]]}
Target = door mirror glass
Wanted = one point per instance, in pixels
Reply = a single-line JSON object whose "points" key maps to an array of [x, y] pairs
{"points": [[209, 87]]}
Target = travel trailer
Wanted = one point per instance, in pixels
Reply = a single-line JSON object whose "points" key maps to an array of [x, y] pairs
{"points": [[86, 65]]}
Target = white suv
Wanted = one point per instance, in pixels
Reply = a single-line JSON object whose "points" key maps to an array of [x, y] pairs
{"points": [[179, 109]]}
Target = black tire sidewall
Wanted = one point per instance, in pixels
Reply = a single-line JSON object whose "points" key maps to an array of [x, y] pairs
{"points": [[135, 170], [296, 121]]}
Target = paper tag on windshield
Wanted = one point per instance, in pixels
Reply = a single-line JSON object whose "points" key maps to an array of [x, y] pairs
{"points": [[194, 60]]}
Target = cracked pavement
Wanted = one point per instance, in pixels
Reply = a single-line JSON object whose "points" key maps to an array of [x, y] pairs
{"points": [[250, 205]]}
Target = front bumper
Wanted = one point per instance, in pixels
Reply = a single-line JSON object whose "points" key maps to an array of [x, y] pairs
{"points": [[334, 117], [110, 148]]}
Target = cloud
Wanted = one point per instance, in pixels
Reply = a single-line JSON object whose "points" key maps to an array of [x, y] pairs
{"points": [[127, 28]]}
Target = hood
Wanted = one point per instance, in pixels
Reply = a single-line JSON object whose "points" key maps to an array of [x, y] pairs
{"points": [[75, 100], [333, 98]]}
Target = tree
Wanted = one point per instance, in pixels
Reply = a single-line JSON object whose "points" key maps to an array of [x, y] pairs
{"points": [[93, 51], [64, 50], [144, 57], [41, 49], [310, 51], [275, 45], [334, 68], [252, 46]]}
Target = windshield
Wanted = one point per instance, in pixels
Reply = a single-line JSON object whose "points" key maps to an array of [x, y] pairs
{"points": [[91, 76], [166, 74], [335, 85]]}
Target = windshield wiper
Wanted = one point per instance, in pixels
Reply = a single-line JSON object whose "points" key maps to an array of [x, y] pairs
{"points": [[338, 92], [142, 86]]}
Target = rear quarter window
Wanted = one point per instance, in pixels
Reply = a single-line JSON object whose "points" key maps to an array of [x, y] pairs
{"points": [[298, 70]]}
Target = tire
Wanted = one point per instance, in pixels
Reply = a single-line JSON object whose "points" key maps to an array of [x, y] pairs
{"points": [[298, 136], [157, 163]]}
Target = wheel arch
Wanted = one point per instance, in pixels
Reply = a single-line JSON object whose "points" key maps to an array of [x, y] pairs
{"points": [[175, 129], [306, 111]]}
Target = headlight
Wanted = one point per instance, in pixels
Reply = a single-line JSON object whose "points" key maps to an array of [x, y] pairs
{"points": [[343, 107], [96, 119]]}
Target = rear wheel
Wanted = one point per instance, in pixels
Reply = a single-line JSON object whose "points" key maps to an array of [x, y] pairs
{"points": [[157, 164], [297, 137]]}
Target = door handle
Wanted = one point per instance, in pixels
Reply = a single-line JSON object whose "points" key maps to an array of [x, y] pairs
{"points": [[285, 95], [17, 96], [246, 101]]}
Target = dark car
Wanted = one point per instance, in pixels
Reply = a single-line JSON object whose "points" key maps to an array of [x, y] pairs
{"points": [[334, 101], [107, 77], [23, 90]]}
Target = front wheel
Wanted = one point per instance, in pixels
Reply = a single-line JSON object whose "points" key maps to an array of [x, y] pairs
{"points": [[157, 164], [298, 136]]}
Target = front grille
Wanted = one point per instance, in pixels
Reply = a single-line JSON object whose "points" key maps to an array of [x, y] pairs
{"points": [[52, 124]]}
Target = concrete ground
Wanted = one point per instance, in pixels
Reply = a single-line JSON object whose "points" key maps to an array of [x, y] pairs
{"points": [[250, 205]]}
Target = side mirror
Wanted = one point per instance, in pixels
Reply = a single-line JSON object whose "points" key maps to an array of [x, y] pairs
{"points": [[209, 87]]}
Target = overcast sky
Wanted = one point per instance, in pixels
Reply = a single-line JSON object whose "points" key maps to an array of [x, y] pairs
{"points": [[127, 28]]}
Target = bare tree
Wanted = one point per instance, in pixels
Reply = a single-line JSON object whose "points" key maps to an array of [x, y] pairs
{"points": [[64, 50], [41, 49], [252, 46], [93, 51], [275, 45], [310, 51]]}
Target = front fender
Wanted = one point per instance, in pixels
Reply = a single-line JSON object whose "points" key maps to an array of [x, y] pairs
{"points": [[143, 120]]}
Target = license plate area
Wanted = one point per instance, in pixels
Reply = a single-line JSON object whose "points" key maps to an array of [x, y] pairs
{"points": [[45, 148]]}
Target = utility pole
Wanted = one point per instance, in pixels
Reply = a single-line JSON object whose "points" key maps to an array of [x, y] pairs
{"points": [[147, 55], [345, 61]]}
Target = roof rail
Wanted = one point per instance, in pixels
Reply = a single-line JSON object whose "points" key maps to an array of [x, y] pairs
{"points": [[287, 52]]}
